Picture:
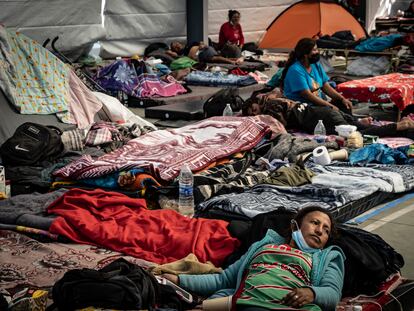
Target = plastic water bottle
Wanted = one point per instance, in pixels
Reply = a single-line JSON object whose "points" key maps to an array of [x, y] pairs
{"points": [[227, 112], [186, 196], [320, 132]]}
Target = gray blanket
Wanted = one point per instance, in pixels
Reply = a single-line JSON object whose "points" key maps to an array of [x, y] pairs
{"points": [[29, 209], [265, 198]]}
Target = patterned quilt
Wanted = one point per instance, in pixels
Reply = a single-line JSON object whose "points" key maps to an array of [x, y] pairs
{"points": [[164, 152], [396, 88], [27, 262], [218, 79], [34, 80], [334, 186]]}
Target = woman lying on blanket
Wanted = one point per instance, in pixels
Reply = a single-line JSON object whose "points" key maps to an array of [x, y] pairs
{"points": [[202, 53], [276, 273], [301, 116], [303, 79]]}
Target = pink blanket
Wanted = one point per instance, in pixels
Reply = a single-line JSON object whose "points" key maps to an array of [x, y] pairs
{"points": [[164, 152]]}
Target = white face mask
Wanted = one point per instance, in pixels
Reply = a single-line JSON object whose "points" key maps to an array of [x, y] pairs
{"points": [[297, 236]]}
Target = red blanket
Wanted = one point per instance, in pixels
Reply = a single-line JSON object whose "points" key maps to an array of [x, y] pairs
{"points": [[124, 224], [163, 153], [396, 88]]}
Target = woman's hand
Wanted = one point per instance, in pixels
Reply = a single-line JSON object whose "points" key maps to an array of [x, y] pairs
{"points": [[171, 277], [299, 297], [347, 103], [334, 107]]}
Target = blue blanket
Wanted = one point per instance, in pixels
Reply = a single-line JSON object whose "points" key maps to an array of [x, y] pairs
{"points": [[218, 79]]}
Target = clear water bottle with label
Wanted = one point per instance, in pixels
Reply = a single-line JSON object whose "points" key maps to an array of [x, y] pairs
{"points": [[227, 112], [186, 196], [320, 132]]}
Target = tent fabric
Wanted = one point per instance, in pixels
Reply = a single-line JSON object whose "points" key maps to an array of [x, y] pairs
{"points": [[77, 23], [11, 119], [132, 25], [307, 19]]}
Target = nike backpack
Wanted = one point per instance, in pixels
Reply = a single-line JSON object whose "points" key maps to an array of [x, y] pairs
{"points": [[31, 144]]}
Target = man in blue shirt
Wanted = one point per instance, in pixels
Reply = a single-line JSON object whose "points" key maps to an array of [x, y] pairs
{"points": [[305, 80]]}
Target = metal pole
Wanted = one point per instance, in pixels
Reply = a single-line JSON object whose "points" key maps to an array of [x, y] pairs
{"points": [[197, 21]]}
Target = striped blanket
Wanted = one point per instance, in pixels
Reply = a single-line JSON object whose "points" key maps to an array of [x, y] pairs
{"points": [[163, 153]]}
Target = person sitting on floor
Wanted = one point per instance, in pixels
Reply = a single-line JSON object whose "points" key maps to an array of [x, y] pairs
{"points": [[231, 39], [301, 116], [303, 79], [202, 53], [275, 273]]}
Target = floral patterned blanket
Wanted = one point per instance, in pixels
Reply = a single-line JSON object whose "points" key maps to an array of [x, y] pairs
{"points": [[397, 88]]}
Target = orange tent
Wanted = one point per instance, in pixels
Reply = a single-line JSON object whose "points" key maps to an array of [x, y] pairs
{"points": [[307, 19]]}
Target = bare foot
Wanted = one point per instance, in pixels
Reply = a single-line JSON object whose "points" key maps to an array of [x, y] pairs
{"points": [[366, 121]]}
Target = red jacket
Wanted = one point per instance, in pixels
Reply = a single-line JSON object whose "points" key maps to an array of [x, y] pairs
{"points": [[229, 34]]}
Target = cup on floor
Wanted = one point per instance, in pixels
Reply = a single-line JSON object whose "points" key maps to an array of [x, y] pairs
{"points": [[339, 155], [218, 304]]}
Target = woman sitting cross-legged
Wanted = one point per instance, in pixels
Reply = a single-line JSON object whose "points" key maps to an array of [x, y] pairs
{"points": [[302, 116], [303, 79], [298, 273]]}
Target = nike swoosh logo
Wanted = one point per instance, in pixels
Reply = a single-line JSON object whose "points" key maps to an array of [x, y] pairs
{"points": [[20, 148]]}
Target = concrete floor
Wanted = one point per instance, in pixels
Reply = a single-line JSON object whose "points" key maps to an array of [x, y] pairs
{"points": [[394, 222]]}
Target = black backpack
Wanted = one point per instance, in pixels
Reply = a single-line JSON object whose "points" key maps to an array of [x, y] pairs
{"points": [[214, 106], [369, 260], [120, 285], [32, 143]]}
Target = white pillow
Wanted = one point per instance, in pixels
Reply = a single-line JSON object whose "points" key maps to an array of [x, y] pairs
{"points": [[119, 113]]}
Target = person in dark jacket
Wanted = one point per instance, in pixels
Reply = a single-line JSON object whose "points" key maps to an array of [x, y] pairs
{"points": [[301, 116]]}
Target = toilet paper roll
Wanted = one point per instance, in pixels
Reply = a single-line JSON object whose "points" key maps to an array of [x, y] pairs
{"points": [[321, 155], [217, 304], [339, 155]]}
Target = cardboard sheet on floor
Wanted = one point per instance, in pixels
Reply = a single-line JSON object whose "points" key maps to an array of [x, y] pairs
{"points": [[180, 111]]}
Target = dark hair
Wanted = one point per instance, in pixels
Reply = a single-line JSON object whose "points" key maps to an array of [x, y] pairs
{"points": [[302, 48], [232, 12], [247, 105], [410, 9], [309, 209]]}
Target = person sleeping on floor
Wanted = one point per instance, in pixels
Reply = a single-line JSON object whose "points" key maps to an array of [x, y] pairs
{"points": [[302, 116], [300, 273], [201, 52]]}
